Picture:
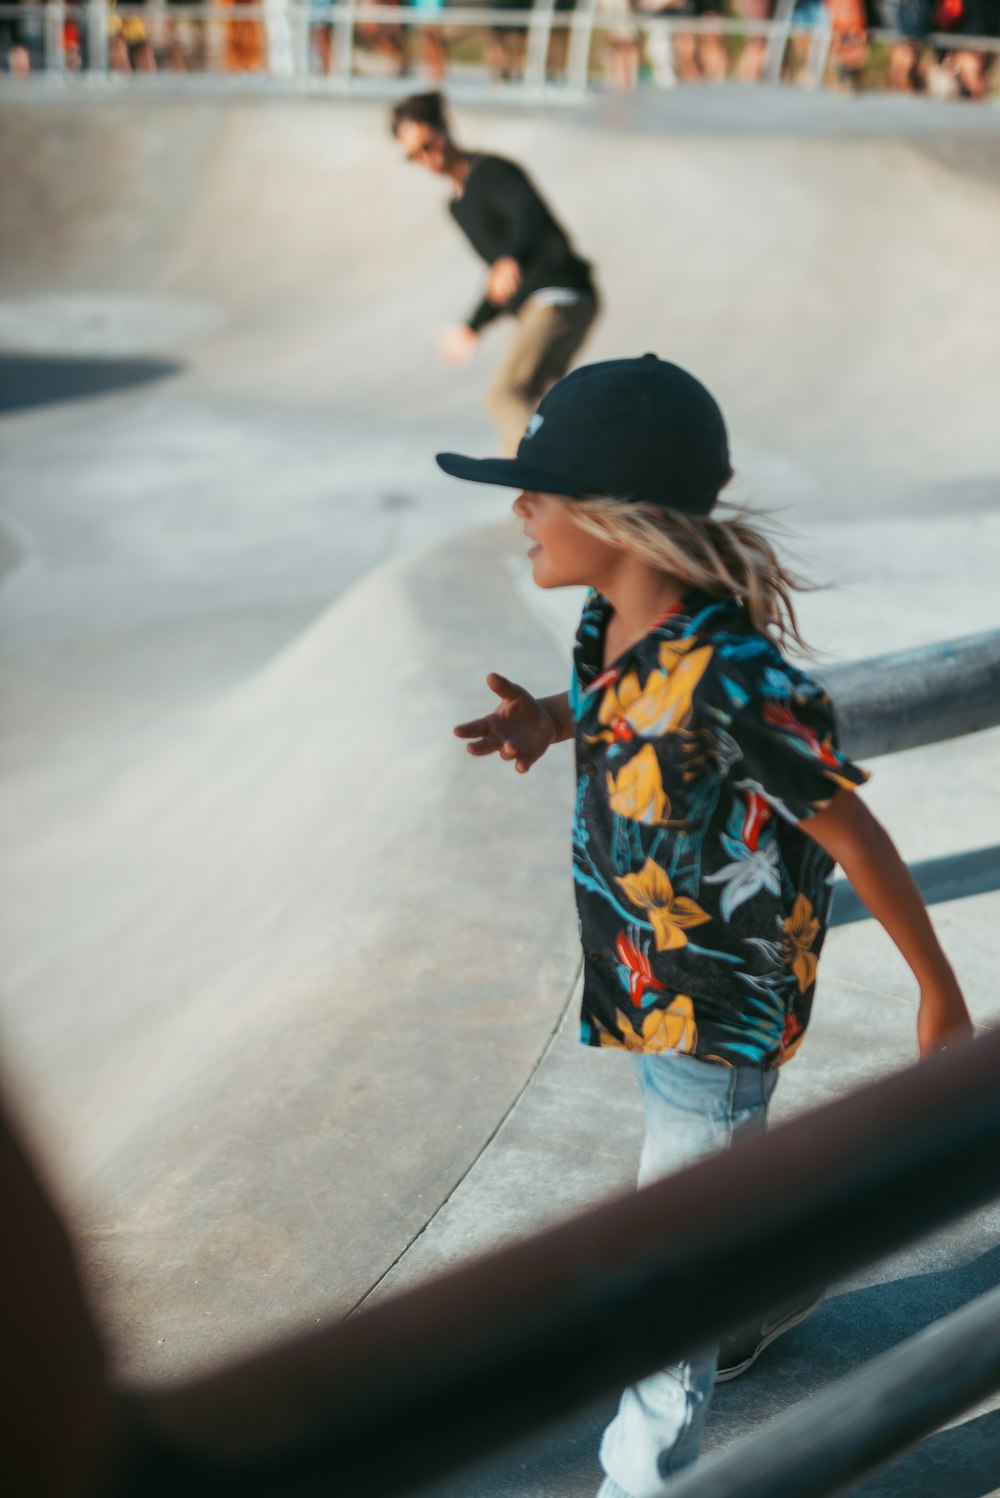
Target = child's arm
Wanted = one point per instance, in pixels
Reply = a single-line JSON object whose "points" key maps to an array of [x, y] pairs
{"points": [[867, 855], [522, 727]]}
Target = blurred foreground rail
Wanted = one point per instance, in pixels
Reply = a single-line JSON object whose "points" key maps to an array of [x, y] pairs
{"points": [[422, 1383]]}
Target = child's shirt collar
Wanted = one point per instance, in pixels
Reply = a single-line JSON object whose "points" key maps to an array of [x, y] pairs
{"points": [[694, 611]]}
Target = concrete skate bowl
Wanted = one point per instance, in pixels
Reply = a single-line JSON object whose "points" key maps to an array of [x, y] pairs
{"points": [[280, 960]]}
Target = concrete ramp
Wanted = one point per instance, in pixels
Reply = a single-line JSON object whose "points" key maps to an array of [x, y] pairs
{"points": [[308, 960], [285, 972], [733, 233]]}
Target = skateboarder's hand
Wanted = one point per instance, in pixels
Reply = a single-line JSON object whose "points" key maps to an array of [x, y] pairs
{"points": [[519, 729], [458, 343], [503, 280]]}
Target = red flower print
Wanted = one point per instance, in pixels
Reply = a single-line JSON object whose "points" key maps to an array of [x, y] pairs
{"points": [[640, 974], [784, 719], [757, 813], [792, 1027]]}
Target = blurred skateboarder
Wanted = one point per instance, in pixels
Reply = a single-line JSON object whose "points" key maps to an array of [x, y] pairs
{"points": [[535, 276]]}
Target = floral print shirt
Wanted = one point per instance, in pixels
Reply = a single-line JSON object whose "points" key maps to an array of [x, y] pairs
{"points": [[703, 905]]}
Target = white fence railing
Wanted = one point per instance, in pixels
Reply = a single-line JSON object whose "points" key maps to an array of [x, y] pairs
{"points": [[275, 41]]}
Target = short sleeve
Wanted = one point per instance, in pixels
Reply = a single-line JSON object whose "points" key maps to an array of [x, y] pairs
{"points": [[788, 740]]}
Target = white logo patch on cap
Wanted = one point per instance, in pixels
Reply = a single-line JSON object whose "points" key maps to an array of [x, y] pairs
{"points": [[533, 425]]}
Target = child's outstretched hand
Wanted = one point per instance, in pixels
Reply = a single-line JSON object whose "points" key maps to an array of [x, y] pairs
{"points": [[520, 729]]}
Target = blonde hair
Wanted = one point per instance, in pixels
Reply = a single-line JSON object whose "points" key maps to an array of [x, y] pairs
{"points": [[726, 556]]}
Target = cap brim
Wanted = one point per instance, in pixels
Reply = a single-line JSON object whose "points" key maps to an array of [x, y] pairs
{"points": [[508, 473]]}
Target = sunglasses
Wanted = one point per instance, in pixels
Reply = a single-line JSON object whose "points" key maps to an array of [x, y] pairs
{"points": [[425, 148]]}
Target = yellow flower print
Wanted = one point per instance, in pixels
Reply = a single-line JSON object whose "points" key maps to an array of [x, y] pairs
{"points": [[801, 930], [684, 663], [614, 709], [638, 791], [670, 915], [619, 697], [670, 1029], [848, 785], [664, 703]]}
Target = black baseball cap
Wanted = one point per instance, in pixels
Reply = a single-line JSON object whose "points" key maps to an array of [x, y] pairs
{"points": [[639, 430]]}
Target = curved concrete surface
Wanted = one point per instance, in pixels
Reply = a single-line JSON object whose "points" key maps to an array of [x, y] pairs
{"points": [[283, 968], [311, 958]]}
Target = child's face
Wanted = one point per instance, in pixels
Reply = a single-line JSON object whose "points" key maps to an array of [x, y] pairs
{"points": [[563, 555]]}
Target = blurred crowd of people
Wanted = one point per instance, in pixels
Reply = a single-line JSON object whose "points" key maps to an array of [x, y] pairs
{"points": [[909, 64], [142, 36], [629, 48]]}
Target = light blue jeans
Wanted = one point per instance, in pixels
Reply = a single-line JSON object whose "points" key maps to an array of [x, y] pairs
{"points": [[693, 1108]]}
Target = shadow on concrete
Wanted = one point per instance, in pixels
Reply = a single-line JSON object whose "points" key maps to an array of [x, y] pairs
{"points": [[851, 1329], [963, 1462], [859, 1325], [954, 877], [43, 379]]}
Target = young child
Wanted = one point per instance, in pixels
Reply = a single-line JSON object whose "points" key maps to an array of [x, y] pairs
{"points": [[712, 800]]}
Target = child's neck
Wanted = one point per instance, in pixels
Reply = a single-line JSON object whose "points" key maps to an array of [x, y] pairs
{"points": [[639, 597]]}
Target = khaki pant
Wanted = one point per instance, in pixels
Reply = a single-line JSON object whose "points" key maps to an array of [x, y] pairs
{"points": [[543, 346]]}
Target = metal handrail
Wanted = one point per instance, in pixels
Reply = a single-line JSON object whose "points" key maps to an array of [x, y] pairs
{"points": [[419, 1384], [864, 1420], [919, 696], [453, 16], [287, 25], [474, 15]]}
